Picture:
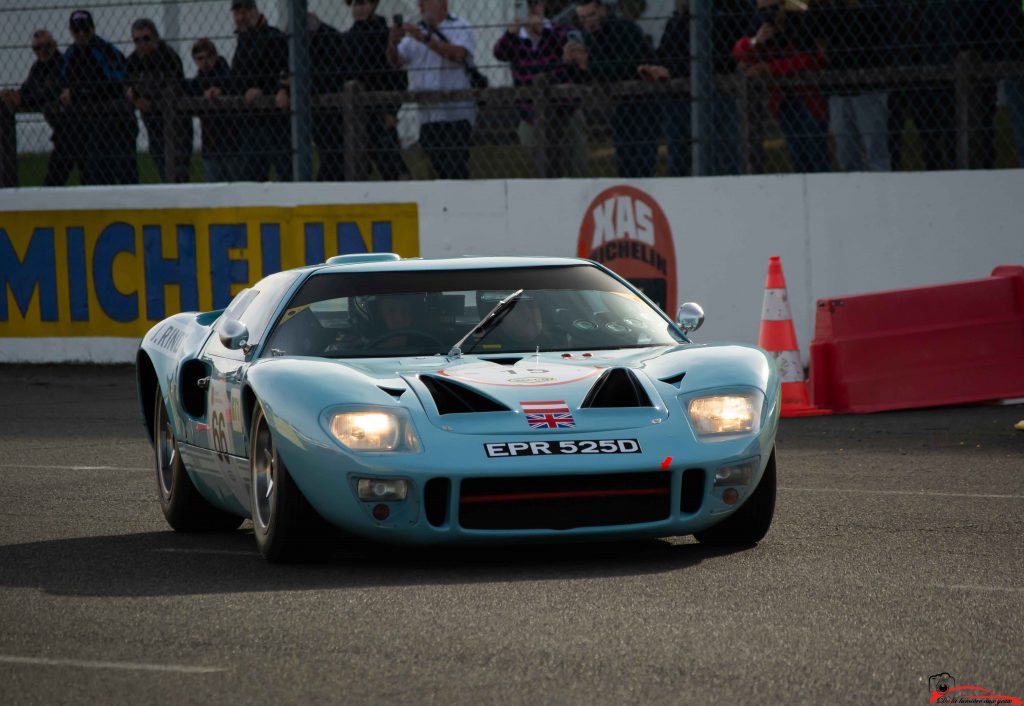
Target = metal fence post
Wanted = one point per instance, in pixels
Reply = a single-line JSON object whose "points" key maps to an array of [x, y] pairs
{"points": [[541, 91], [353, 121], [8, 148], [701, 86], [298, 64], [168, 108]]}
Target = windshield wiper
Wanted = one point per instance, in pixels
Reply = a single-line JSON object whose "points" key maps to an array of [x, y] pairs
{"points": [[492, 316]]}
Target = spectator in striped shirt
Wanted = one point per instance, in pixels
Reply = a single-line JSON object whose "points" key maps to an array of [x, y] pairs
{"points": [[535, 47]]}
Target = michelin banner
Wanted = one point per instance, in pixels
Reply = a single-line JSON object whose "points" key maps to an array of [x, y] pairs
{"points": [[117, 272]]}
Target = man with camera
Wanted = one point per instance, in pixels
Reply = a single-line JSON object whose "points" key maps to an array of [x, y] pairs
{"points": [[438, 54]]}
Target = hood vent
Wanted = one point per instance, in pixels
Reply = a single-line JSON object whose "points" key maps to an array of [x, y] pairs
{"points": [[674, 379], [395, 392], [504, 361], [618, 387], [452, 398]]}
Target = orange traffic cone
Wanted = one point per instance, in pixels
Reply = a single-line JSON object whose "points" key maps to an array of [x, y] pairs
{"points": [[778, 337]]}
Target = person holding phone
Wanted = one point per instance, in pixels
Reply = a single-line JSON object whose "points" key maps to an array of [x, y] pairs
{"points": [[438, 54], [534, 46]]}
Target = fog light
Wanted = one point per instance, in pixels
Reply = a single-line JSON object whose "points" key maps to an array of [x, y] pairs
{"points": [[739, 474], [730, 496], [371, 489], [381, 512]]}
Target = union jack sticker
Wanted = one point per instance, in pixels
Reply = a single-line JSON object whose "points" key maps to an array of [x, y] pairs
{"points": [[547, 414]]}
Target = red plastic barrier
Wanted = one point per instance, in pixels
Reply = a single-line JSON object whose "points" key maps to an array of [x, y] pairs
{"points": [[948, 344]]}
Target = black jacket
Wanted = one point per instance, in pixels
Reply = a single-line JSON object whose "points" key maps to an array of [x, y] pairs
{"points": [[42, 86], [94, 74], [327, 60], [366, 46], [674, 48], [219, 130], [616, 50], [260, 60], [148, 76]]}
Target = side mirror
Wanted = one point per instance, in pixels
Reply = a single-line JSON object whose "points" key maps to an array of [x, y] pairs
{"points": [[690, 317], [233, 334]]}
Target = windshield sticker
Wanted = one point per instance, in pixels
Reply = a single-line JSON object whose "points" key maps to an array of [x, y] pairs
{"points": [[548, 415], [522, 375]]}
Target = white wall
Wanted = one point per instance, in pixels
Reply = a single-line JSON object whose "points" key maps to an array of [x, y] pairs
{"points": [[836, 233]]}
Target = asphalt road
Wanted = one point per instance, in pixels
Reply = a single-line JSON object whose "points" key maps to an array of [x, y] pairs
{"points": [[896, 554]]}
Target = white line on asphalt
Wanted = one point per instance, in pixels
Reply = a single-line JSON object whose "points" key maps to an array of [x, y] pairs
{"points": [[72, 468], [89, 664], [903, 492], [227, 552], [973, 587]]}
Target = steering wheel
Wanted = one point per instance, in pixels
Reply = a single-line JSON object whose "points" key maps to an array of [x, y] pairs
{"points": [[410, 332]]}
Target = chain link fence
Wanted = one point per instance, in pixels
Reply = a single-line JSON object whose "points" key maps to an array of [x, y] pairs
{"points": [[198, 90]]}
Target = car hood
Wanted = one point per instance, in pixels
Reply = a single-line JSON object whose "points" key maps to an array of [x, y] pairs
{"points": [[564, 392], [558, 393]]}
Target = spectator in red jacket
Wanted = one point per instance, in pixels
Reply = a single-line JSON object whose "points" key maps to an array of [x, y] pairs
{"points": [[784, 46]]}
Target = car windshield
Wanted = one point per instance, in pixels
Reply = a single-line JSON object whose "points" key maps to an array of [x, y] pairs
{"points": [[420, 313]]}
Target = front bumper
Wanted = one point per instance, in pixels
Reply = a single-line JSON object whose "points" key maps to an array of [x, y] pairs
{"points": [[457, 495]]}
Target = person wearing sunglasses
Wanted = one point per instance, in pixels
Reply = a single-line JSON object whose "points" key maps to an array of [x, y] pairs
{"points": [[101, 123], [155, 71], [40, 92]]}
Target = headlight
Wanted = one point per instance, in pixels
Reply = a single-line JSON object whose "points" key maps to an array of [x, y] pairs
{"points": [[737, 413], [384, 430]]}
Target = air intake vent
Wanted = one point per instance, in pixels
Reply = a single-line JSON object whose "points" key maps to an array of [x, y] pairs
{"points": [[674, 379], [395, 392], [618, 387], [452, 398], [504, 361]]}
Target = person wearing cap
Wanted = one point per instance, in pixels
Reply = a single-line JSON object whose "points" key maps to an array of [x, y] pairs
{"points": [[40, 91], [101, 122], [155, 70], [258, 67]]}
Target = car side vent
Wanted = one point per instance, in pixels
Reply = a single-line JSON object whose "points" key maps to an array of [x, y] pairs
{"points": [[618, 387], [395, 392], [674, 379], [452, 398]]}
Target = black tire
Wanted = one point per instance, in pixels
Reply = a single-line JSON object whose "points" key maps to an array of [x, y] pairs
{"points": [[286, 526], [183, 507], [749, 524]]}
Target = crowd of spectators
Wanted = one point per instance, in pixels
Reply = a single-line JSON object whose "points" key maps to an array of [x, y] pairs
{"points": [[89, 94]]}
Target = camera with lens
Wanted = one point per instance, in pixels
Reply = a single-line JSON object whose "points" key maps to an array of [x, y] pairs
{"points": [[941, 682]]}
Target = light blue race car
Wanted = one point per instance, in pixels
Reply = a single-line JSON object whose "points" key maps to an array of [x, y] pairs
{"points": [[464, 400]]}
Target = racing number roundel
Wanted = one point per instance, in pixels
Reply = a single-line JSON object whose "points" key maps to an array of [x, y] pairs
{"points": [[626, 230]]}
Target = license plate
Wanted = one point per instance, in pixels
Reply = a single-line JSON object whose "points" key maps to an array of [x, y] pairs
{"points": [[504, 449]]}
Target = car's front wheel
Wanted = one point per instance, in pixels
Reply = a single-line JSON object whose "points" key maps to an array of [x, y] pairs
{"points": [[750, 523], [286, 526], [183, 506]]}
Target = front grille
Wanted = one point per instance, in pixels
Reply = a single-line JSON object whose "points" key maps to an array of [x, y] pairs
{"points": [[564, 502]]}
